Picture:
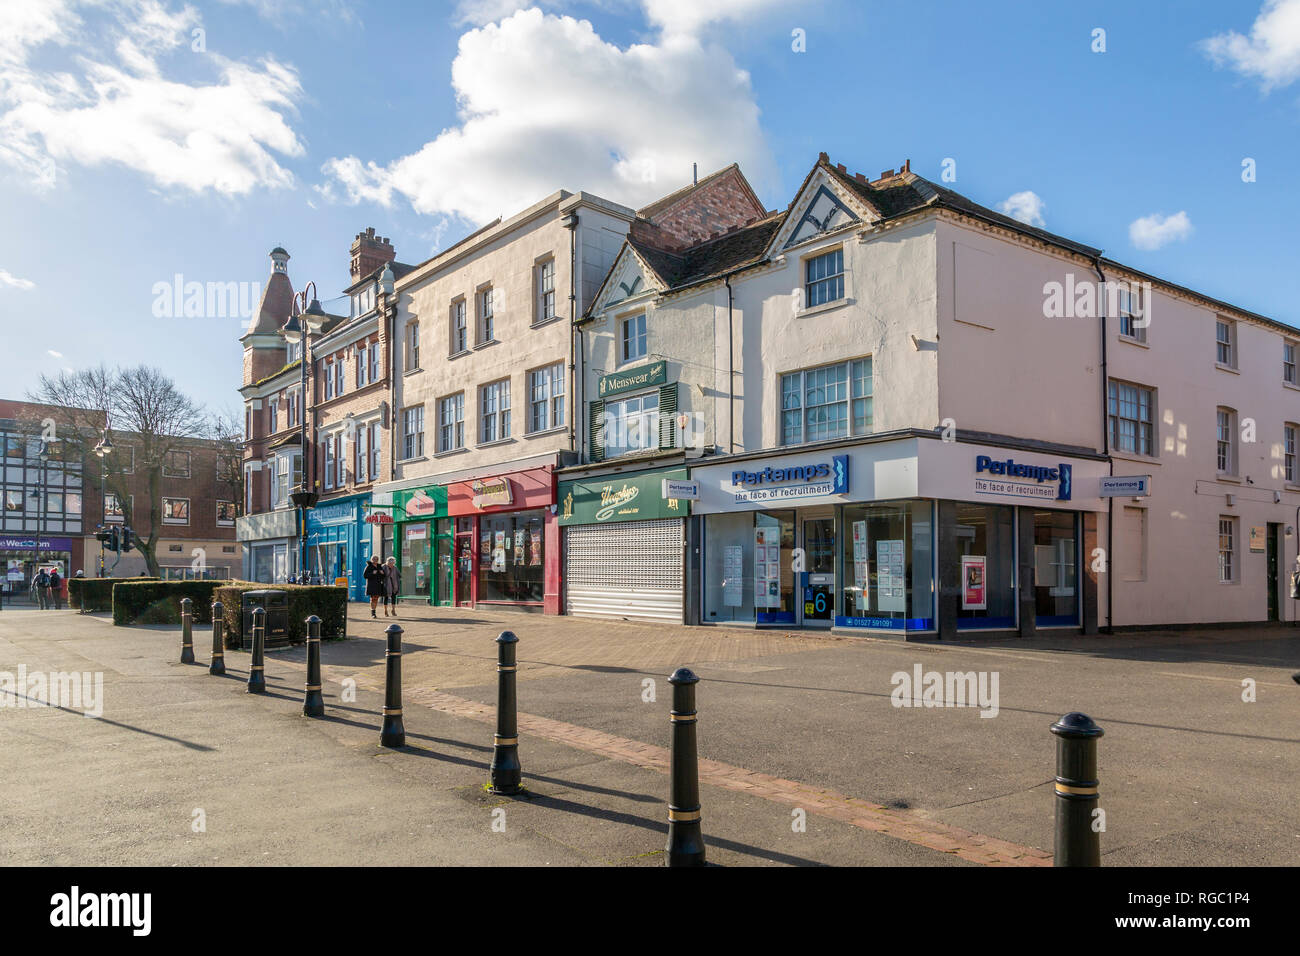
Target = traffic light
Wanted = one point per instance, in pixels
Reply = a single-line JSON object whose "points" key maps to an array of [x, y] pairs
{"points": [[128, 539], [104, 536], [114, 542]]}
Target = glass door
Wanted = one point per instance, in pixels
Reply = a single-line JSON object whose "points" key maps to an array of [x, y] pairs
{"points": [[464, 561], [819, 576]]}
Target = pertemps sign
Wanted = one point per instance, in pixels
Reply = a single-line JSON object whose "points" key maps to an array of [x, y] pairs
{"points": [[1009, 477], [793, 481]]}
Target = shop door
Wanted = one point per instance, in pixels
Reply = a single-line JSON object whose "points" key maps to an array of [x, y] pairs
{"points": [[464, 565], [819, 577], [1274, 580], [441, 591]]}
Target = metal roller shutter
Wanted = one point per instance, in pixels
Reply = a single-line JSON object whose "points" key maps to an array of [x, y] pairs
{"points": [[631, 570]]}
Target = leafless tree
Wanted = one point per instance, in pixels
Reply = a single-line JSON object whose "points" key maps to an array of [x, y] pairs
{"points": [[141, 404]]}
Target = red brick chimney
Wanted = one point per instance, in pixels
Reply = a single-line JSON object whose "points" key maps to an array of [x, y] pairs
{"points": [[369, 252]]}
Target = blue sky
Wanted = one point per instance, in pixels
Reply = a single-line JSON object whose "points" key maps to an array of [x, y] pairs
{"points": [[133, 149]]}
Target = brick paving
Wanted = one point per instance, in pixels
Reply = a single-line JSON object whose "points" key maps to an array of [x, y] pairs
{"points": [[465, 658]]}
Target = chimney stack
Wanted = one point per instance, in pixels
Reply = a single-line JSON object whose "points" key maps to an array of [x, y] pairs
{"points": [[369, 252]]}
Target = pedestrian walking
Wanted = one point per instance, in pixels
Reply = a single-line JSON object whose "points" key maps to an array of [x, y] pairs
{"points": [[393, 578], [56, 588], [42, 584], [376, 584]]}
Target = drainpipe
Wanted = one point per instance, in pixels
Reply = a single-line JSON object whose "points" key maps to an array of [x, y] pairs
{"points": [[1105, 448], [731, 373], [570, 222]]}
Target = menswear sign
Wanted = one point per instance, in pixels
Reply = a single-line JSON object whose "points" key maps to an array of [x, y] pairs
{"points": [[643, 376]]}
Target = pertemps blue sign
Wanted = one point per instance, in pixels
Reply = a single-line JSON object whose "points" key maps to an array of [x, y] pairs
{"points": [[1062, 474], [793, 481]]}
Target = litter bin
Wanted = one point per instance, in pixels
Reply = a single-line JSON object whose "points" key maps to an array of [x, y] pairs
{"points": [[276, 605]]}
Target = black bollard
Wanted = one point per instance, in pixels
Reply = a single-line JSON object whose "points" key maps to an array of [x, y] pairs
{"points": [[393, 733], [1077, 843], [506, 771], [257, 660], [187, 631], [685, 839], [218, 665], [314, 704]]}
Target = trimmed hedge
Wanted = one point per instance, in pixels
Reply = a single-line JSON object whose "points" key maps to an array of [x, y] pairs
{"points": [[159, 602], [327, 602], [95, 594]]}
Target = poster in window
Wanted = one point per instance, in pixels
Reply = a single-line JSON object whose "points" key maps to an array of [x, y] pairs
{"points": [[860, 554], [974, 595], [732, 570], [535, 551], [499, 553], [891, 575]]}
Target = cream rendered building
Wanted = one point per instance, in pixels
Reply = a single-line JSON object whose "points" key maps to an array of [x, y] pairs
{"points": [[908, 410]]}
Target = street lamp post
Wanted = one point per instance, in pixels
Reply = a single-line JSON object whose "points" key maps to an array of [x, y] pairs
{"points": [[298, 330], [103, 450]]}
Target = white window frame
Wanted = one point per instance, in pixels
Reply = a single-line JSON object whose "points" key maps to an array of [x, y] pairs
{"points": [[176, 521], [223, 522], [374, 361], [451, 423], [616, 425], [1289, 349], [459, 327], [177, 474], [412, 340], [837, 281], [363, 364], [546, 392], [850, 400], [639, 338], [1225, 434], [1290, 436], [413, 438], [376, 444], [1116, 401], [494, 411], [544, 283], [1229, 549], [1130, 313], [329, 461], [486, 316], [1225, 347]]}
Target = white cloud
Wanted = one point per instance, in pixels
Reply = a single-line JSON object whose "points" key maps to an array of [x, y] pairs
{"points": [[690, 16], [113, 104], [1271, 53], [1155, 230], [7, 278], [53, 354], [1026, 206], [546, 103]]}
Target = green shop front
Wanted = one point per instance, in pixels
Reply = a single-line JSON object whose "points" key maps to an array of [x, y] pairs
{"points": [[624, 546], [422, 542]]}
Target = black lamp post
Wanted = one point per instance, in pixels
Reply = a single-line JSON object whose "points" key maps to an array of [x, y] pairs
{"points": [[298, 330]]}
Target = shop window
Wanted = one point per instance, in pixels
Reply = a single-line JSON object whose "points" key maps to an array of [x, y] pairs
{"points": [[729, 568], [415, 559], [1056, 571], [888, 566], [1131, 410], [985, 539], [834, 401], [510, 559]]}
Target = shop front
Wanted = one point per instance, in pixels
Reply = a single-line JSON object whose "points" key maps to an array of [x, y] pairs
{"points": [[624, 546], [24, 555], [339, 542], [907, 535], [505, 547], [423, 544]]}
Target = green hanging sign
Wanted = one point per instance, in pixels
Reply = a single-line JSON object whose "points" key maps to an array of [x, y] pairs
{"points": [[643, 376]]}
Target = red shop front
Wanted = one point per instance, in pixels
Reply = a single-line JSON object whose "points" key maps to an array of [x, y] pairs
{"points": [[507, 544]]}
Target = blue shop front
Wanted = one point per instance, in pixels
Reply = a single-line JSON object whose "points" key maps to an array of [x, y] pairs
{"points": [[339, 542]]}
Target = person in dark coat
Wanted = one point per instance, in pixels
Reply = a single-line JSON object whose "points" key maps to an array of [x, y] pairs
{"points": [[393, 579], [376, 584]]}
